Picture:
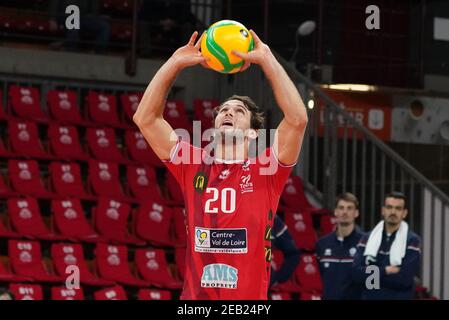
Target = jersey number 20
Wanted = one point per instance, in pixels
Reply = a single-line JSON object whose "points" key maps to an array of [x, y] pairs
{"points": [[226, 200]]}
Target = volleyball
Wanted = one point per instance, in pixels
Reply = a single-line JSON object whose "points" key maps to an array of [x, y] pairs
{"points": [[220, 39]]}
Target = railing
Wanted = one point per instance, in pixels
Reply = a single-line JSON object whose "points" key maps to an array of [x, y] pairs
{"points": [[338, 154]]}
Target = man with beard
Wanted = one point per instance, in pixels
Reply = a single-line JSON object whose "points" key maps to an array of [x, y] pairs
{"points": [[335, 251], [394, 251]]}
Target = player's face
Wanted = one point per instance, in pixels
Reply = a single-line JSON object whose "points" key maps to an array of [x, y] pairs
{"points": [[233, 116], [346, 212], [394, 211]]}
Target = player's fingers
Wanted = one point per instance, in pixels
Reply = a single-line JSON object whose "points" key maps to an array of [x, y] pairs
{"points": [[255, 37], [198, 43], [245, 66], [192, 38], [241, 55]]}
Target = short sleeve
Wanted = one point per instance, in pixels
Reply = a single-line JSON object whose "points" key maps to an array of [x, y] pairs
{"points": [[183, 155], [280, 172]]}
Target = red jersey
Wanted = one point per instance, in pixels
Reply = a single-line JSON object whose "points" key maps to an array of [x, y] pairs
{"points": [[230, 208]]}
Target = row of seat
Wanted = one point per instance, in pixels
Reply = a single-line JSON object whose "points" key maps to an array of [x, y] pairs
{"points": [[111, 221], [23, 291], [110, 266], [103, 179], [100, 108], [66, 142]]}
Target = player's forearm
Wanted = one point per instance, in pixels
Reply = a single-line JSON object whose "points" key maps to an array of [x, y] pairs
{"points": [[153, 101], [285, 92]]}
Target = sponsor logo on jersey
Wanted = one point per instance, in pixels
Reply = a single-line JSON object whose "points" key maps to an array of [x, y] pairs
{"points": [[245, 166], [353, 251], [219, 275], [221, 240], [224, 174], [268, 235], [246, 185], [200, 182], [328, 252], [268, 254]]}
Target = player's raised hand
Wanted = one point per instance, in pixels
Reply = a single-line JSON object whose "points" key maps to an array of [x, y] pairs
{"points": [[190, 54], [258, 55]]}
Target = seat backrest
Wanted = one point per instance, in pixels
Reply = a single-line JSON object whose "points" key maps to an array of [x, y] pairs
{"points": [[139, 150], [301, 228], [175, 114], [294, 195], [66, 179], [152, 264], [25, 102], [26, 291], [111, 217], [63, 106], [102, 108], [180, 227], [113, 293], [68, 254], [130, 102], [142, 182], [153, 294], [104, 178], [26, 217], [327, 224], [62, 293], [25, 257], [25, 176], [70, 219], [180, 260], [153, 221], [24, 138], [65, 142], [173, 188], [307, 273], [112, 261], [102, 143], [204, 111]]}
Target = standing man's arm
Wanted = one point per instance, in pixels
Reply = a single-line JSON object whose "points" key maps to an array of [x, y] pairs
{"points": [[290, 132], [149, 115]]}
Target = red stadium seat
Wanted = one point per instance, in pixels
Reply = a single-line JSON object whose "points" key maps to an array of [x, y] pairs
{"points": [[130, 102], [142, 183], [204, 112], [26, 291], [3, 151], [294, 197], [153, 222], [102, 108], [112, 264], [153, 294], [4, 189], [139, 150], [66, 179], [280, 296], [63, 106], [25, 178], [71, 222], [26, 260], [301, 228], [24, 139], [327, 224], [111, 221], [104, 179], [180, 260], [62, 293], [307, 273], [69, 254], [102, 144], [153, 267], [174, 189], [65, 143], [175, 114], [7, 276], [26, 218], [25, 103], [113, 293]]}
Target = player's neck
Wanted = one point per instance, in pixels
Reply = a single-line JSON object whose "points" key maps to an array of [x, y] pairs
{"points": [[345, 230], [231, 152]]}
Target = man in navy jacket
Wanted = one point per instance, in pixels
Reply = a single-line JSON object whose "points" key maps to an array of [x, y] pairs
{"points": [[396, 280], [336, 252]]}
